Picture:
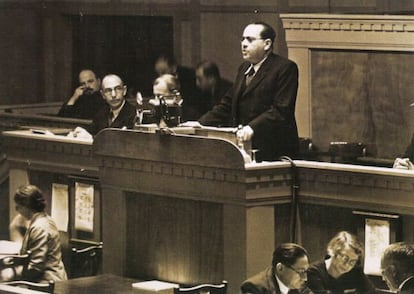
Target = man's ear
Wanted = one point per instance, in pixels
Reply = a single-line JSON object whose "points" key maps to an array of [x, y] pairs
{"points": [[268, 45], [279, 267], [393, 272]]}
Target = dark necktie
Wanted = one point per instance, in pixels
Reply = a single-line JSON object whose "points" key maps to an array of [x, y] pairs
{"points": [[293, 291], [249, 75], [110, 118]]}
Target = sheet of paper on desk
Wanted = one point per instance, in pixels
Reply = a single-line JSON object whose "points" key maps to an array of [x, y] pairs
{"points": [[154, 286], [9, 247]]}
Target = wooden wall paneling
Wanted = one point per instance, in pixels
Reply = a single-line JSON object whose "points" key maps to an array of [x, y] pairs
{"points": [[368, 93], [173, 239], [21, 65], [379, 38]]}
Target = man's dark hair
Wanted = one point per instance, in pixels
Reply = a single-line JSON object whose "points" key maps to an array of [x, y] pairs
{"points": [[210, 69], [268, 32], [287, 254], [96, 72], [401, 255]]}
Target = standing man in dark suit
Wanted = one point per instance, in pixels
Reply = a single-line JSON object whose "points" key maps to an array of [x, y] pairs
{"points": [[262, 99], [287, 275], [118, 113]]}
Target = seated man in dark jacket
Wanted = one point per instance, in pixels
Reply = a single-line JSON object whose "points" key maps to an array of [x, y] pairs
{"points": [[286, 275], [212, 86], [118, 113], [397, 267], [86, 100]]}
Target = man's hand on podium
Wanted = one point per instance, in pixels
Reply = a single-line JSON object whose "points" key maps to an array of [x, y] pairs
{"points": [[245, 133]]}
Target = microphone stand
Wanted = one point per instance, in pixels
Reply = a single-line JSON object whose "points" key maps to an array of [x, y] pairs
{"points": [[294, 206]]}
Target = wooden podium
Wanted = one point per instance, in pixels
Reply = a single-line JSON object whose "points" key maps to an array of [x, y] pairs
{"points": [[174, 208]]}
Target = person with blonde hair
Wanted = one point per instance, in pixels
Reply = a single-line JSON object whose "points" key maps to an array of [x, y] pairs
{"points": [[341, 271]]}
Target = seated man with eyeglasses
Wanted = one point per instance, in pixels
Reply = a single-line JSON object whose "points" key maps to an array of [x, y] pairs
{"points": [[287, 275], [341, 271], [118, 113]]}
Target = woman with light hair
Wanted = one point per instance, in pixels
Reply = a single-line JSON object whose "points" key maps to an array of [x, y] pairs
{"points": [[341, 271]]}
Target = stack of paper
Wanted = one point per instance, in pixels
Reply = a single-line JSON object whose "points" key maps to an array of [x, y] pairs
{"points": [[154, 286]]}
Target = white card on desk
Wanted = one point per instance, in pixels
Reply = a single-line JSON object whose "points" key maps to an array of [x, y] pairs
{"points": [[154, 286]]}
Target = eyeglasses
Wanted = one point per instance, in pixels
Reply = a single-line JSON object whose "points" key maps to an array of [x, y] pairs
{"points": [[250, 39], [117, 89], [302, 273], [346, 259]]}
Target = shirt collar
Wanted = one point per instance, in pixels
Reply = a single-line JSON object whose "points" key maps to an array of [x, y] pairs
{"points": [[282, 287], [256, 66], [118, 110]]}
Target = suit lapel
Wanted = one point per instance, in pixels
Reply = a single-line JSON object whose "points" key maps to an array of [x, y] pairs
{"points": [[239, 87], [261, 73]]}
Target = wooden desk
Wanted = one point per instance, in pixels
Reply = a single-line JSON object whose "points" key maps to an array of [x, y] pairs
{"points": [[7, 289], [98, 284], [188, 209]]}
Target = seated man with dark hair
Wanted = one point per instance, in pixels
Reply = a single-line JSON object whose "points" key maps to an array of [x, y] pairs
{"points": [[286, 275], [86, 100], [211, 85], [397, 267]]}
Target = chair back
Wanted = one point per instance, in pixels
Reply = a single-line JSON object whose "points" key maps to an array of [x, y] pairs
{"points": [[12, 261], [203, 289], [41, 287], [86, 261]]}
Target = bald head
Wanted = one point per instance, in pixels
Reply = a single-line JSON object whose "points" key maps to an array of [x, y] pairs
{"points": [[111, 78], [113, 90]]}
